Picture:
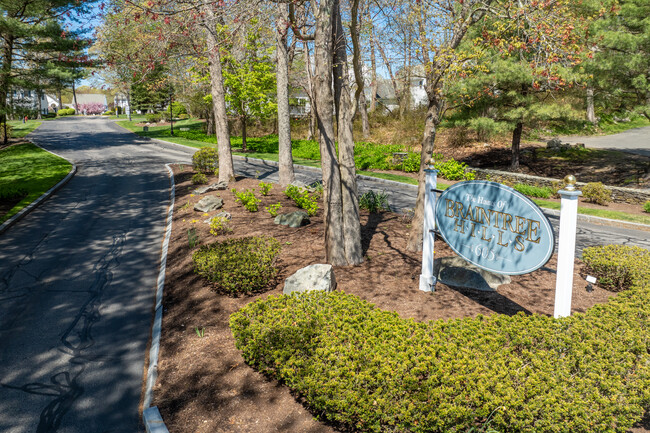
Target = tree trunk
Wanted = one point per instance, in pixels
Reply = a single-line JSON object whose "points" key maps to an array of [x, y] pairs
{"points": [[59, 91], [347, 104], [416, 235], [313, 121], [333, 212], [5, 85], [74, 97], [365, 124], [242, 119], [373, 72], [591, 115], [226, 169], [285, 159], [398, 94], [516, 144]]}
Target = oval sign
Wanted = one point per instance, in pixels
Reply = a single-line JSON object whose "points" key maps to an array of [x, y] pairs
{"points": [[494, 227]]}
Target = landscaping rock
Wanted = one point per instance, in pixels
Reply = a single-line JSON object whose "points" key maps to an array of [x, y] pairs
{"points": [[554, 143], [454, 271], [294, 219], [208, 204], [312, 277], [225, 215], [212, 187]]}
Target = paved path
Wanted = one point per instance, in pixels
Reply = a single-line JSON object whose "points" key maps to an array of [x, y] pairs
{"points": [[77, 279], [635, 140]]}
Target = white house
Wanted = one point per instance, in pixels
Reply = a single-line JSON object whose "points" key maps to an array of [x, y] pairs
{"points": [[24, 100]]}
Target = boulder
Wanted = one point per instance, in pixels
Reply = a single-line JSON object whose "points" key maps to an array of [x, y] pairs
{"points": [[225, 215], [554, 143], [212, 187], [208, 204], [454, 271], [312, 277], [294, 219]]}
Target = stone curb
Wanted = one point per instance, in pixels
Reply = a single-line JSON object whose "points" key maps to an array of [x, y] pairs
{"points": [[581, 217], [151, 416], [27, 209]]}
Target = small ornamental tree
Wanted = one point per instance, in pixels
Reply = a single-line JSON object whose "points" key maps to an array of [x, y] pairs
{"points": [[91, 108], [249, 80]]}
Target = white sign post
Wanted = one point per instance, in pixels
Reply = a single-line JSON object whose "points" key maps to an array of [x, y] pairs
{"points": [[427, 279], [566, 248]]}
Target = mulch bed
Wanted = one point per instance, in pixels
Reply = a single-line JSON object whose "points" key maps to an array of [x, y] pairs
{"points": [[204, 384]]}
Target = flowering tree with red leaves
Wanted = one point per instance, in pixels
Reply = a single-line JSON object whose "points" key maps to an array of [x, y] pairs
{"points": [[91, 108]]}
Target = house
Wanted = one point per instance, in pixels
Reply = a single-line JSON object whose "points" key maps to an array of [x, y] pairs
{"points": [[299, 103], [26, 102]]}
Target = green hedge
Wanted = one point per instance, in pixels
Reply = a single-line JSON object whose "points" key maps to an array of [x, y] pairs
{"points": [[374, 371], [618, 267]]}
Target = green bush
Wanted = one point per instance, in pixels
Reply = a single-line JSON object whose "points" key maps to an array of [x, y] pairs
{"points": [[199, 179], [374, 371], [219, 226], [411, 163], [11, 192], [237, 266], [486, 127], [534, 191], [646, 206], [303, 199], [617, 267], [374, 201], [247, 199], [595, 192], [154, 117], [273, 209], [205, 160], [177, 110], [66, 112], [108, 113], [265, 188], [183, 116], [452, 169]]}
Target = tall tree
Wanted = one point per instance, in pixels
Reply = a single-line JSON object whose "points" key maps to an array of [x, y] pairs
{"points": [[285, 159]]}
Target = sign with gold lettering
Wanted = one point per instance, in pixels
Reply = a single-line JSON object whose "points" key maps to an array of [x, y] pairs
{"points": [[494, 227]]}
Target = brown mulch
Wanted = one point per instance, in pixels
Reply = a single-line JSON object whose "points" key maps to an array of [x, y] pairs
{"points": [[204, 384]]}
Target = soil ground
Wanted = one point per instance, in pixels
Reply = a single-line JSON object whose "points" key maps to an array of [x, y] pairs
{"points": [[204, 384]]}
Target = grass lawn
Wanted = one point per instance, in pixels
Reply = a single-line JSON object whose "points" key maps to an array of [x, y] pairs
{"points": [[31, 169], [21, 129], [162, 132]]}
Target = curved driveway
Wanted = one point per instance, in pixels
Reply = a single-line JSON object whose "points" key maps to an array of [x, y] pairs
{"points": [[77, 279], [636, 140]]}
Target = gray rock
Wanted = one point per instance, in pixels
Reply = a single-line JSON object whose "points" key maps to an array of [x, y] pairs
{"points": [[554, 143], [294, 219], [225, 215], [212, 187], [454, 271], [312, 277], [208, 204]]}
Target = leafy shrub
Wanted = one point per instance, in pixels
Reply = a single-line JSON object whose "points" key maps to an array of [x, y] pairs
{"points": [[265, 188], [646, 206], [459, 136], [238, 265], [273, 209], [595, 192], [199, 179], [534, 191], [452, 169], [219, 226], [374, 201], [183, 116], [49, 116], [247, 199], [617, 266], [108, 113], [177, 109], [66, 112], [377, 372], [154, 117], [303, 199], [486, 127], [205, 160], [11, 192], [411, 163]]}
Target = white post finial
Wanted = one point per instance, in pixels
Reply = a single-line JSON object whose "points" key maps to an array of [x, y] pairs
{"points": [[566, 248], [427, 279]]}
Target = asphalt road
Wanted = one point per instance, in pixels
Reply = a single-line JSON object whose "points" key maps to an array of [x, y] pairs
{"points": [[77, 279], [635, 140]]}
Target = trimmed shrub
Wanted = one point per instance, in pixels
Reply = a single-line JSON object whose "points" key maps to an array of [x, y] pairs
{"points": [[205, 160], [534, 191], [374, 201], [411, 163], [303, 199], [617, 267], [646, 207], [237, 266], [452, 169], [595, 192], [154, 117], [219, 226], [177, 109], [183, 116], [66, 112], [486, 127], [199, 179]]}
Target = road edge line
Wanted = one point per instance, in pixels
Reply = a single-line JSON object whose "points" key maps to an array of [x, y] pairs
{"points": [[151, 415], [30, 207]]}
